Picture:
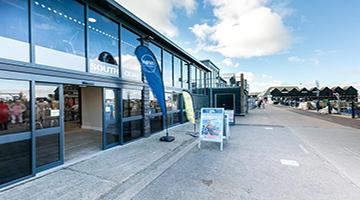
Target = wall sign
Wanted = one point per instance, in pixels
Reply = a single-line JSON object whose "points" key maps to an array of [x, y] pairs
{"points": [[103, 68]]}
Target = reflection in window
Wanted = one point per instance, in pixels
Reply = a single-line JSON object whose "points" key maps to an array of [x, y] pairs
{"points": [[198, 78], [169, 102], [130, 67], [14, 32], [177, 72], [132, 130], [176, 101], [167, 69], [193, 77], [14, 106], [153, 104], [103, 45], [111, 117], [47, 106], [157, 52], [185, 75], [59, 34], [132, 103]]}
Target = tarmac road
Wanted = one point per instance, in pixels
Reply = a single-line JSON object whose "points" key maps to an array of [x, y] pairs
{"points": [[273, 154]]}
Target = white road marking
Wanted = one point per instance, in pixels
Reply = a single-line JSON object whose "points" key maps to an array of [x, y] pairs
{"points": [[268, 128], [289, 162], [303, 148]]}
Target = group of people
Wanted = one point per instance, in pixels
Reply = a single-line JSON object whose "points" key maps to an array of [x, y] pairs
{"points": [[14, 110]]}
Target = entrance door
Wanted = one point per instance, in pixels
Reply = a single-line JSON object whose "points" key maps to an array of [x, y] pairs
{"points": [[49, 125], [111, 122], [226, 101]]}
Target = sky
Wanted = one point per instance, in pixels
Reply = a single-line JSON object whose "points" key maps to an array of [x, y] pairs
{"points": [[273, 42]]}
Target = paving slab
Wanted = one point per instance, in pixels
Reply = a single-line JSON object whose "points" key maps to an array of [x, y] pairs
{"points": [[107, 171]]}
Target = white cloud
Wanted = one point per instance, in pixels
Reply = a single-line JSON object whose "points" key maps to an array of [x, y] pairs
{"points": [[229, 63], [297, 59], [259, 82], [243, 28], [159, 13]]}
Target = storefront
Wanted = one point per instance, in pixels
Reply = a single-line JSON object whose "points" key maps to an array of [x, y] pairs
{"points": [[70, 84]]}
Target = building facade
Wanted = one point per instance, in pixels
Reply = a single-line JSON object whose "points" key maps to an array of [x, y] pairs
{"points": [[69, 77]]}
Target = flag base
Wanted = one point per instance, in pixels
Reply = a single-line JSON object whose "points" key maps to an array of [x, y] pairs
{"points": [[167, 138]]}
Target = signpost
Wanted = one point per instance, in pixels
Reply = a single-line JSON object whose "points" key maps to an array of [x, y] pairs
{"points": [[212, 126]]}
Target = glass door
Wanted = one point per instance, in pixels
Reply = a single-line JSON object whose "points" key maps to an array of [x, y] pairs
{"points": [[111, 125], [49, 125]]}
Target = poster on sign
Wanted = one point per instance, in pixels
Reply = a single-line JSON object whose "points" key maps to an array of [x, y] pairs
{"points": [[231, 115], [212, 125]]}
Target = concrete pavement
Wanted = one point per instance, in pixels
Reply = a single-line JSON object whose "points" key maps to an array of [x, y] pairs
{"points": [[250, 167]]}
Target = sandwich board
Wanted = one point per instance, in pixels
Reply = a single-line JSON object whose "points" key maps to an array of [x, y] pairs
{"points": [[212, 126]]}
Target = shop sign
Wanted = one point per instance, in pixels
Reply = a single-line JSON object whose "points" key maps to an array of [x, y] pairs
{"points": [[99, 67]]}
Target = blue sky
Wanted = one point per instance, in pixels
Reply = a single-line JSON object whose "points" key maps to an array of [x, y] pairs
{"points": [[274, 42]]}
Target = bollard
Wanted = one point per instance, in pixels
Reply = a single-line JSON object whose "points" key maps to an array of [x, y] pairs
{"points": [[353, 109]]}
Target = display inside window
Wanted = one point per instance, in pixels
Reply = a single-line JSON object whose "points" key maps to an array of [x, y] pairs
{"points": [[14, 106], [130, 67], [153, 104], [185, 75], [167, 69], [169, 102], [177, 72], [103, 44], [59, 33], [132, 103], [14, 31], [193, 77], [47, 106]]}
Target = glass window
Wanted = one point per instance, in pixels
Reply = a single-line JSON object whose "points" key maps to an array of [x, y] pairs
{"points": [[15, 160], [167, 69], [111, 117], [132, 103], [156, 124], [47, 106], [157, 52], [132, 130], [169, 102], [176, 117], [14, 106], [59, 34], [47, 149], [103, 45], [153, 104], [14, 32], [177, 72], [185, 75], [193, 77], [176, 101], [130, 67], [198, 78]]}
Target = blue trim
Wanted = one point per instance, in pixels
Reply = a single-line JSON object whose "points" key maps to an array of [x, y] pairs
{"points": [[49, 166], [133, 118], [15, 137], [16, 181], [33, 127], [48, 131]]}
